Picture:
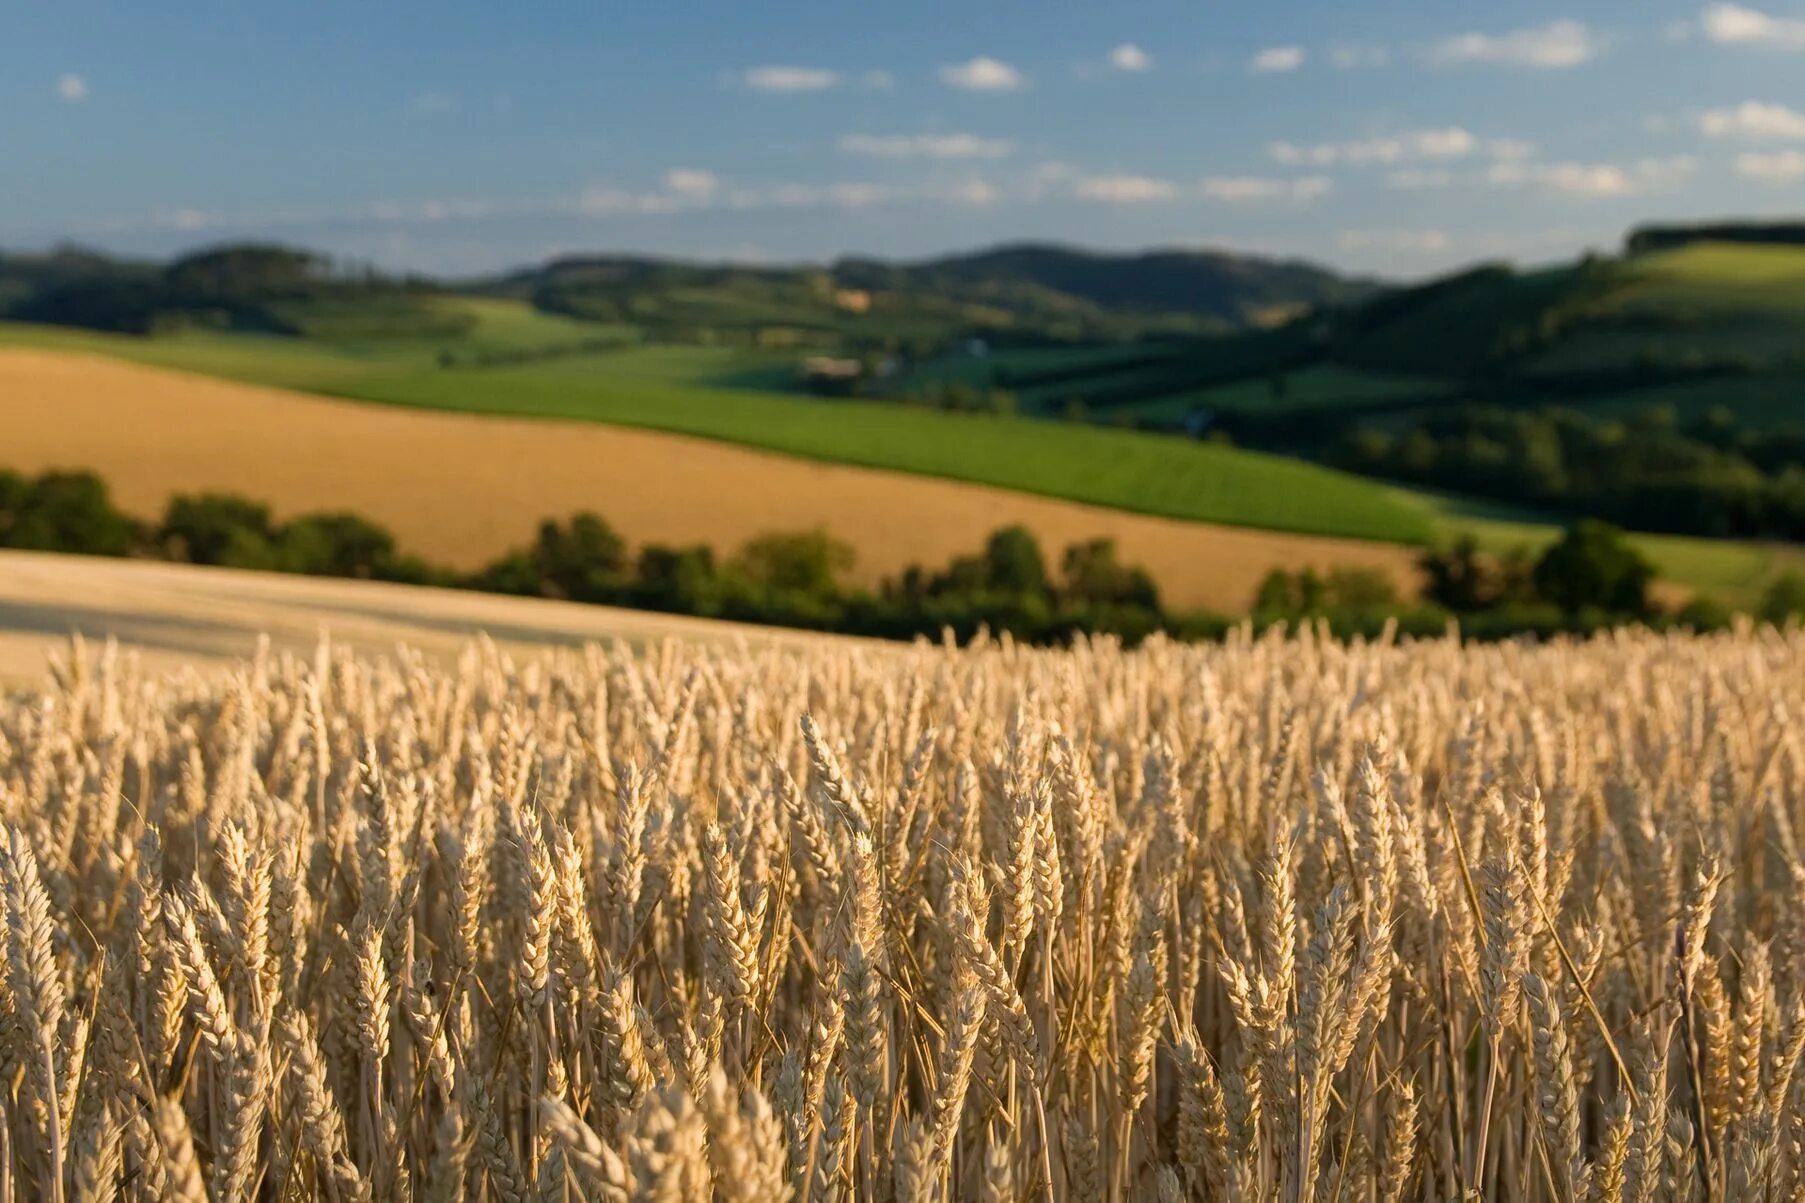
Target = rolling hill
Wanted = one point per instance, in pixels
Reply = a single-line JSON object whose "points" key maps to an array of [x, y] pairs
{"points": [[76, 399], [1166, 342], [462, 488], [1022, 292], [1689, 322], [1229, 289]]}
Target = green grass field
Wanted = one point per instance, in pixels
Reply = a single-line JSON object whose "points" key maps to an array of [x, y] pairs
{"points": [[731, 395], [1315, 387], [1715, 279], [1708, 302], [1001, 368], [1460, 330], [318, 364], [1735, 572], [703, 391]]}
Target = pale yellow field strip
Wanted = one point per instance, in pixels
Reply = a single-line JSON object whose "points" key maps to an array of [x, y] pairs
{"points": [[177, 616]]}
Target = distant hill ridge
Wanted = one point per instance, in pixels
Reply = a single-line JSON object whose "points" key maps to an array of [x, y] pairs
{"points": [[1036, 282], [1030, 286], [1215, 283], [1671, 237]]}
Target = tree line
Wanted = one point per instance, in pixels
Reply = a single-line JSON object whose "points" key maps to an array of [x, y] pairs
{"points": [[1590, 578], [1709, 476]]}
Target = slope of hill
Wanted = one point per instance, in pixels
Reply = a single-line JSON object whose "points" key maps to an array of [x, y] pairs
{"points": [[1667, 237], [23, 278], [1228, 289], [1446, 383], [462, 489], [180, 617], [1694, 324], [1024, 292]]}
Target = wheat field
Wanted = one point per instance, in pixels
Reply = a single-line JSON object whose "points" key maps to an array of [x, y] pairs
{"points": [[152, 433], [1269, 920]]}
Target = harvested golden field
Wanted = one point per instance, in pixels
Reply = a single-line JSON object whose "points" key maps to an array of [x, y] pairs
{"points": [[172, 617], [461, 489], [1265, 920]]}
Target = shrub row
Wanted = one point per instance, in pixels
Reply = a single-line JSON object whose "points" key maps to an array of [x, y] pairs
{"points": [[1590, 578]]}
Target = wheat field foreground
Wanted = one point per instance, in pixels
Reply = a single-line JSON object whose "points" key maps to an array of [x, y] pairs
{"points": [[1269, 920], [150, 433]]}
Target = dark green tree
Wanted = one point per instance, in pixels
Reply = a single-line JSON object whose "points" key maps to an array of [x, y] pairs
{"points": [[808, 564], [218, 528], [1276, 596], [1094, 574], [1456, 578], [1593, 567], [680, 580], [343, 545], [583, 559], [1784, 599], [1013, 562], [63, 511]]}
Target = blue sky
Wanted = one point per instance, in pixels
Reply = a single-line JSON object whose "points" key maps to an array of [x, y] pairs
{"points": [[1401, 136]]}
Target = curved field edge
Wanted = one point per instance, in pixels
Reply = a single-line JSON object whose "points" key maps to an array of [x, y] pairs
{"points": [[1124, 470], [176, 617], [1734, 571], [462, 489]]}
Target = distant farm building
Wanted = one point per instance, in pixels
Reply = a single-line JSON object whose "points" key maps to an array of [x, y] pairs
{"points": [[852, 300], [831, 376]]}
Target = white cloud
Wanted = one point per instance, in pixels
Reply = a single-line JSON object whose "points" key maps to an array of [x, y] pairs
{"points": [[1754, 121], [1735, 25], [1595, 181], [925, 146], [1242, 189], [1142, 189], [982, 74], [1556, 45], [72, 88], [691, 181], [877, 81], [431, 104], [1129, 57], [1402, 242], [791, 79], [599, 200], [1450, 143], [1779, 167], [973, 192], [427, 210], [1350, 56], [1124, 189], [682, 190], [1418, 179], [1275, 59], [190, 220], [855, 194]]}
